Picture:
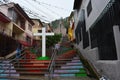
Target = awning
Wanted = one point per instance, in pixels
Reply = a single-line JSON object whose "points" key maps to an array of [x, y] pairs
{"points": [[25, 43]]}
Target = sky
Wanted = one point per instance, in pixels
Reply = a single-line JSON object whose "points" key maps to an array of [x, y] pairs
{"points": [[46, 10]]}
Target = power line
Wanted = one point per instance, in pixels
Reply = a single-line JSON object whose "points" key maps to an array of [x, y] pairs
{"points": [[50, 5], [48, 9], [39, 9], [53, 11], [32, 11], [35, 14]]}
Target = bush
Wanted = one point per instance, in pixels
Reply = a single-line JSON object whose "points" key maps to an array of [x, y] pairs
{"points": [[51, 40]]}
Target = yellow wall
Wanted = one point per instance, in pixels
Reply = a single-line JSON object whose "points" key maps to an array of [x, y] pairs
{"points": [[27, 30], [36, 27], [7, 28]]}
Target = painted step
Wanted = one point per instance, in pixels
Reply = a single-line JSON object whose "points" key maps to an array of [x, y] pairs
{"points": [[76, 61], [62, 75], [6, 67], [66, 71], [70, 67], [73, 64], [76, 58], [9, 73], [68, 75], [42, 61]]}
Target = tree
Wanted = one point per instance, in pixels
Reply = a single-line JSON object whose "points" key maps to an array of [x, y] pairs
{"points": [[51, 40], [65, 23]]}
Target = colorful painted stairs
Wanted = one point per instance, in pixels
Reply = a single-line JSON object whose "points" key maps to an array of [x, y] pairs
{"points": [[69, 65], [7, 70], [32, 66]]}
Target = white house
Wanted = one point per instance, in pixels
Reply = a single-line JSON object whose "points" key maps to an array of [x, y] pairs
{"points": [[97, 33]]}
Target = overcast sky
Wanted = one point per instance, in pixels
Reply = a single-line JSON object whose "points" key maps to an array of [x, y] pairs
{"points": [[46, 10]]}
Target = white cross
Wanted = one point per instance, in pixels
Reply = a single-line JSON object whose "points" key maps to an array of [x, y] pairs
{"points": [[43, 34]]}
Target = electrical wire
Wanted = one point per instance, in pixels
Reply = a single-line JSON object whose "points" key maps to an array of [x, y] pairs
{"points": [[35, 15], [51, 5], [32, 11], [50, 16], [47, 8]]}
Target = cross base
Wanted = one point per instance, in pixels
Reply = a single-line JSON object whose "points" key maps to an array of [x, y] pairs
{"points": [[43, 58]]}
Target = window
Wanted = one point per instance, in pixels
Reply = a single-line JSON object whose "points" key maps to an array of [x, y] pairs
{"points": [[40, 31], [89, 8], [76, 36], [14, 16], [93, 37], [22, 24], [85, 40], [102, 35], [30, 27], [28, 39]]}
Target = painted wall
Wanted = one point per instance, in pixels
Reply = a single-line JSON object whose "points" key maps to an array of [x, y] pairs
{"points": [[37, 26], [97, 8], [108, 68], [7, 27]]}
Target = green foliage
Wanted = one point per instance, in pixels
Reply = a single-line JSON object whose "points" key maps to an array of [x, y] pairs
{"points": [[55, 24], [65, 22], [51, 40]]}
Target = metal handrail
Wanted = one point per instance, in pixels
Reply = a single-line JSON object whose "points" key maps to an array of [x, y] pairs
{"points": [[51, 65], [10, 62]]}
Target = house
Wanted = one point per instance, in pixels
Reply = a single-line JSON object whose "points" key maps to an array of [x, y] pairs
{"points": [[60, 29], [97, 33], [5, 40], [36, 29], [19, 27], [71, 35]]}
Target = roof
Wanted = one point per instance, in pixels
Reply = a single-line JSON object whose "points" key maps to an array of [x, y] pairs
{"points": [[77, 4], [23, 13], [4, 18], [38, 20]]}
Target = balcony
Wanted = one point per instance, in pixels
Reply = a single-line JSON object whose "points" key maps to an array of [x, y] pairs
{"points": [[17, 29]]}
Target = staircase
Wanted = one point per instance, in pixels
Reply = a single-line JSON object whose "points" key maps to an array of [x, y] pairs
{"points": [[28, 68], [72, 68], [70, 65], [5, 68], [31, 68], [67, 66]]}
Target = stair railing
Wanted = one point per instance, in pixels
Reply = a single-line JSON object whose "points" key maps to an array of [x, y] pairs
{"points": [[10, 62], [52, 65]]}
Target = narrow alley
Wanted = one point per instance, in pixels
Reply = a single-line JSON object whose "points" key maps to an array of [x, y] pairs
{"points": [[59, 39]]}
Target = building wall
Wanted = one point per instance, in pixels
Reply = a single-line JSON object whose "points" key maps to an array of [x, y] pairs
{"points": [[27, 30], [4, 9], [96, 11], [7, 28], [60, 29], [37, 26], [18, 28], [108, 68]]}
